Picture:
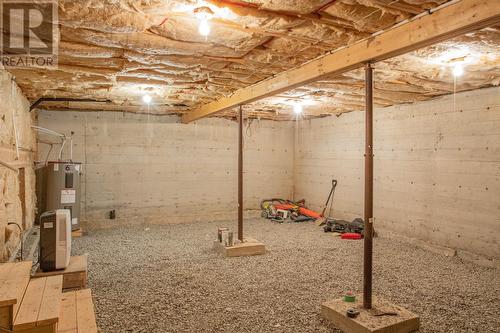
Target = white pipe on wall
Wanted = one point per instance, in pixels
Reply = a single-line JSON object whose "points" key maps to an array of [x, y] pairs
{"points": [[47, 131], [62, 136], [63, 143]]}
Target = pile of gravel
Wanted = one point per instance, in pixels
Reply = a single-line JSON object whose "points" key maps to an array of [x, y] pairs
{"points": [[168, 279]]}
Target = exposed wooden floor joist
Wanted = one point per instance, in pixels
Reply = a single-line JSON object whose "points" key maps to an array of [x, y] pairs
{"points": [[448, 22]]}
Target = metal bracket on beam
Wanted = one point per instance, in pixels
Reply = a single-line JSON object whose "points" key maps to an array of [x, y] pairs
{"points": [[64, 99]]}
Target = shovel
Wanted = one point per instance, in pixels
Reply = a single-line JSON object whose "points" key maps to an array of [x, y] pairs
{"points": [[321, 220]]}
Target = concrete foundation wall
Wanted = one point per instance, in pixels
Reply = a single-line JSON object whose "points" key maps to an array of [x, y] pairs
{"points": [[17, 185], [437, 169], [156, 170]]}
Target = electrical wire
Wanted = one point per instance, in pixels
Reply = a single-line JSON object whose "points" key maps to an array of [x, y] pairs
{"points": [[248, 130], [20, 236], [63, 143], [48, 153]]}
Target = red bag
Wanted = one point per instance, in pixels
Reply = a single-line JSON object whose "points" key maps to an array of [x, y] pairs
{"points": [[350, 235]]}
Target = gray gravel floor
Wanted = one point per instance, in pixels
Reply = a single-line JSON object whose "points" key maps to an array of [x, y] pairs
{"points": [[167, 279]]}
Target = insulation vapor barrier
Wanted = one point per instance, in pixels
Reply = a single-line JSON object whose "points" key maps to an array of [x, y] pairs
{"points": [[154, 47]]}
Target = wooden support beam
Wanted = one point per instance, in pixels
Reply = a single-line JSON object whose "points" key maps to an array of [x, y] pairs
{"points": [[445, 23]]}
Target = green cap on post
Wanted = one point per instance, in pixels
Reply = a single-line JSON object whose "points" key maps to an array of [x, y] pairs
{"points": [[349, 297]]}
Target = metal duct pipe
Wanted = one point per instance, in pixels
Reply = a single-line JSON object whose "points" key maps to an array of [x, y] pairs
{"points": [[65, 99]]}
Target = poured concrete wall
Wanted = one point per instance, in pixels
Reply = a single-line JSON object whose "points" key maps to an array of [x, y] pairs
{"points": [[156, 170], [17, 196], [437, 169]]}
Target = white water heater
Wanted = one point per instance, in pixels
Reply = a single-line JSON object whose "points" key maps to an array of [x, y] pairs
{"points": [[55, 239]]}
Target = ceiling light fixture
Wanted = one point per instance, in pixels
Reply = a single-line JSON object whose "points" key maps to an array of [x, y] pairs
{"points": [[203, 14], [458, 70], [147, 99], [297, 108], [204, 27]]}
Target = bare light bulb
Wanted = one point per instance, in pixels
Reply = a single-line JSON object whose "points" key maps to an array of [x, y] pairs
{"points": [[147, 99], [297, 108], [204, 28], [458, 70]]}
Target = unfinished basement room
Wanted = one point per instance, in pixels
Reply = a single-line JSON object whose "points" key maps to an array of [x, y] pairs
{"points": [[250, 166]]}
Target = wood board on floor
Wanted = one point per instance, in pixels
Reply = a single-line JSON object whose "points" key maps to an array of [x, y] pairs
{"points": [[74, 276], [370, 320], [249, 247], [39, 307], [77, 312], [77, 233]]}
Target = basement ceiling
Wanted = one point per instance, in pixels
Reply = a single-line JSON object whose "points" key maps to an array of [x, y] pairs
{"points": [[120, 50]]}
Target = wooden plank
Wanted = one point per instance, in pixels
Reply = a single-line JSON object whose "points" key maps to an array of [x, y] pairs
{"points": [[250, 247], [6, 304], [27, 315], [67, 318], [5, 270], [77, 280], [445, 23], [45, 329], [51, 301], [370, 320], [85, 312], [76, 264], [13, 288], [6, 315], [74, 276], [41, 329], [21, 283], [5, 298], [77, 233]]}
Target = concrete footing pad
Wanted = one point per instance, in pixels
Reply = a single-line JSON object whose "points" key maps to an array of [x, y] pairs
{"points": [[249, 247], [384, 317]]}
